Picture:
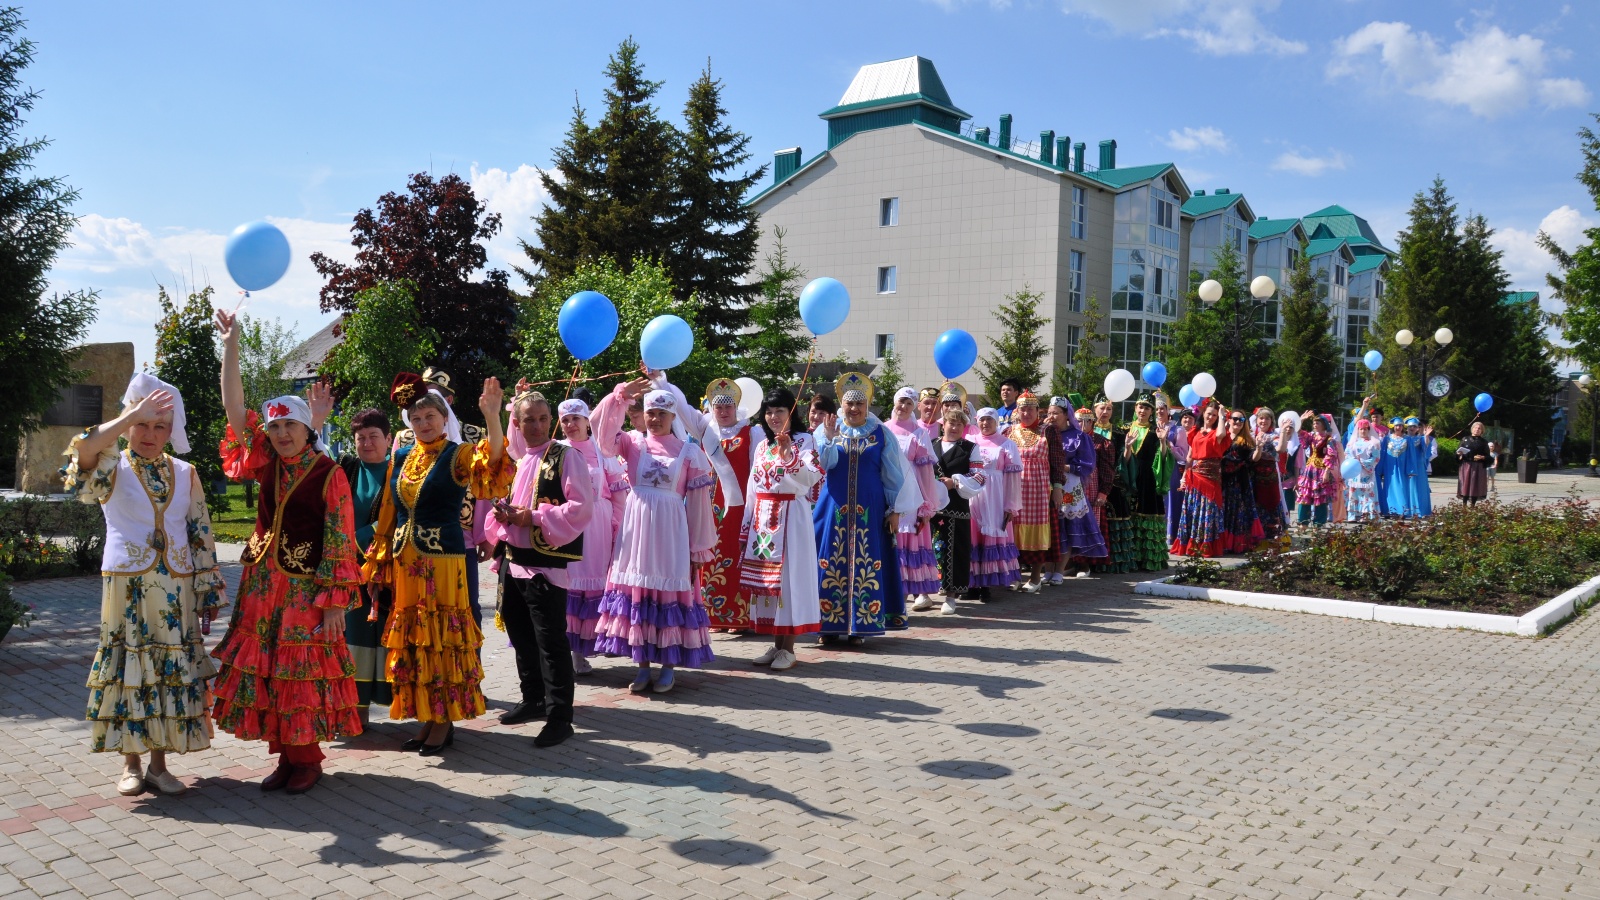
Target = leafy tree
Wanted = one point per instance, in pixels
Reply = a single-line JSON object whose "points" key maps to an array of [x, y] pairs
{"points": [[1421, 292], [1089, 363], [385, 335], [37, 333], [715, 244], [1020, 349], [187, 359], [887, 379], [640, 295], [777, 339], [614, 196], [1578, 283], [1308, 362], [264, 348], [1221, 338], [432, 236]]}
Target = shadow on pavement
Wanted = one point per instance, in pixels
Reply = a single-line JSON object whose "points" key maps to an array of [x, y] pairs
{"points": [[968, 769], [721, 853]]}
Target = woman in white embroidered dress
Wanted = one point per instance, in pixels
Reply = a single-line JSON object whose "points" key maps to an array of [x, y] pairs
{"points": [[779, 566], [159, 582]]}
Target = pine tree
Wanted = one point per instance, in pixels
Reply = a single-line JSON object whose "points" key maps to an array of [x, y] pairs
{"points": [[620, 204], [37, 333], [1089, 363], [887, 379], [716, 233], [1019, 350], [1307, 363], [777, 340], [1220, 338], [187, 359], [1422, 286]]}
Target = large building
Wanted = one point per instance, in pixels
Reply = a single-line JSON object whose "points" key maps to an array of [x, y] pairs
{"points": [[932, 222]]}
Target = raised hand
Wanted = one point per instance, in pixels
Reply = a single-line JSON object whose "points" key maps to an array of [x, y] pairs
{"points": [[490, 400], [150, 408], [319, 396], [636, 388], [227, 326]]}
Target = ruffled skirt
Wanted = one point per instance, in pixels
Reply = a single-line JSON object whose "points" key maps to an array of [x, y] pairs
{"points": [[433, 641], [651, 609], [919, 567], [995, 560], [1200, 531]]}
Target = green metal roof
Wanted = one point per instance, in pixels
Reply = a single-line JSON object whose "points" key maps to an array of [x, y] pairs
{"points": [[898, 82], [1264, 228], [1520, 297], [1198, 205], [1367, 262], [1121, 178], [1341, 222], [1324, 246], [792, 176]]}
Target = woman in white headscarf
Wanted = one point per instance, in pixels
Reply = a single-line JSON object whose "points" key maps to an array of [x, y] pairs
{"points": [[586, 578], [160, 587]]}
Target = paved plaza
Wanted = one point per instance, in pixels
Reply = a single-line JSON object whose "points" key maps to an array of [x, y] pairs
{"points": [[1082, 741]]}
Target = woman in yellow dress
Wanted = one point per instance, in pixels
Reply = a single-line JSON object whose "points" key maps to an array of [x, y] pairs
{"points": [[419, 550]]}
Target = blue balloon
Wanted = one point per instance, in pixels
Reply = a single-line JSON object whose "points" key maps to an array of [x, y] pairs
{"points": [[1188, 396], [257, 255], [823, 305], [1482, 402], [665, 342], [588, 324], [1373, 359], [954, 353], [1154, 373], [1351, 468]]}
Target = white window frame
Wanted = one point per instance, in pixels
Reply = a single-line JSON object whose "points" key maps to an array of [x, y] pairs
{"points": [[883, 345], [888, 279], [889, 212], [1080, 213]]}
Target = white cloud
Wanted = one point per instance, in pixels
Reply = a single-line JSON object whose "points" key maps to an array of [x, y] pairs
{"points": [[1525, 261], [1190, 140], [517, 196], [1488, 71], [1311, 166], [1215, 27]]}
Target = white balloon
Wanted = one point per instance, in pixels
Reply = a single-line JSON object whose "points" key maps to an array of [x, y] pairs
{"points": [[1204, 384], [750, 395], [1119, 385]]}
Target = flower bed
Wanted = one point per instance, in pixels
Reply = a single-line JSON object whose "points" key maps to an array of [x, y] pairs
{"points": [[1504, 560]]}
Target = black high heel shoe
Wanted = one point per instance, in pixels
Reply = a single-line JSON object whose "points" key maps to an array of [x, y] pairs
{"points": [[414, 744], [437, 749]]}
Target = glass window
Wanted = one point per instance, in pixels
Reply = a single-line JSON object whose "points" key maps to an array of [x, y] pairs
{"points": [[1080, 203], [1293, 257], [889, 212], [1075, 281], [1338, 274], [1355, 334], [882, 345], [886, 279], [1069, 352]]}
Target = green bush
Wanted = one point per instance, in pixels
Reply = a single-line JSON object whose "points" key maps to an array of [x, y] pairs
{"points": [[50, 538], [12, 610], [1447, 463]]}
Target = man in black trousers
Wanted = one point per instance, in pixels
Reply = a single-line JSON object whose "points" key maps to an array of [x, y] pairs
{"points": [[540, 530]]}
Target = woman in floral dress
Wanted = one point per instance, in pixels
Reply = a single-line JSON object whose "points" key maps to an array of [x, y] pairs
{"points": [[287, 677], [1361, 492], [1241, 524], [1200, 529], [159, 587], [1319, 472]]}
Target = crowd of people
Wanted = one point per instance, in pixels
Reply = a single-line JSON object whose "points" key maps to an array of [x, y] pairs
{"points": [[632, 528]]}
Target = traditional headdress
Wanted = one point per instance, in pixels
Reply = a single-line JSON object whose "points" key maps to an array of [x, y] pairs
{"points": [[1413, 420], [439, 379], [1062, 402], [572, 407], [1396, 421], [952, 391], [143, 385], [1027, 398], [408, 387], [291, 408], [723, 392], [660, 399], [928, 394], [853, 387], [1144, 400], [1161, 400], [989, 412], [905, 393]]}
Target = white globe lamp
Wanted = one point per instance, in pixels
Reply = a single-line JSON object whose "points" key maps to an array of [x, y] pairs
{"points": [[1210, 290]]}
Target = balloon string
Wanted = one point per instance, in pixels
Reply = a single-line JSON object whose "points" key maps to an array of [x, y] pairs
{"points": [[569, 381], [573, 379], [805, 375]]}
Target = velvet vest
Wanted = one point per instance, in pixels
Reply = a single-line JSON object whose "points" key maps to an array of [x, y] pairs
{"points": [[547, 489], [292, 540], [433, 524]]}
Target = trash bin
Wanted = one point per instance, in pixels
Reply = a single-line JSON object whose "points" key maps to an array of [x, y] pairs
{"points": [[1527, 469]]}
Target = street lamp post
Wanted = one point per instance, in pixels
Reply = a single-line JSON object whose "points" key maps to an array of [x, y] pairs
{"points": [[1586, 382], [1261, 288], [1423, 359]]}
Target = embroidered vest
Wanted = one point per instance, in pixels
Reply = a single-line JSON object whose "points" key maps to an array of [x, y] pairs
{"points": [[433, 523], [547, 489], [949, 463], [292, 540], [140, 530]]}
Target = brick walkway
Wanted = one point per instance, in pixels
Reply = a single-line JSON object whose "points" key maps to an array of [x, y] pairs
{"points": [[1084, 740]]}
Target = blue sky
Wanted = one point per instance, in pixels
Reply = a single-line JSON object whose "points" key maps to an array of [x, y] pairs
{"points": [[178, 121]]}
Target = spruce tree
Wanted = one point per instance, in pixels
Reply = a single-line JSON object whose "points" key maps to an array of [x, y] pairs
{"points": [[715, 242], [1090, 362], [1422, 287], [886, 379], [1221, 338], [37, 333], [777, 340], [1019, 351], [621, 204], [1308, 362]]}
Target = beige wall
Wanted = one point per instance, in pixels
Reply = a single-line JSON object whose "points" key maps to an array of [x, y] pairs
{"points": [[974, 227], [39, 458]]}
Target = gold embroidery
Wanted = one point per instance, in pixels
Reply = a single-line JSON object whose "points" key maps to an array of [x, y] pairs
{"points": [[428, 539], [295, 557]]}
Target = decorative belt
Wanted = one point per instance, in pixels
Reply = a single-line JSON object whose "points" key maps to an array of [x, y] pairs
{"points": [[1206, 468], [762, 495]]}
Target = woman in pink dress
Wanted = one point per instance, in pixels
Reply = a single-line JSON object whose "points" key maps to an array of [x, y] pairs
{"points": [[995, 560], [652, 610], [919, 568], [586, 578]]}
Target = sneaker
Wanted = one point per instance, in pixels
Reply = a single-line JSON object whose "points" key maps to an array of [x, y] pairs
{"points": [[923, 604], [949, 608], [784, 660], [664, 681], [581, 664], [641, 682], [766, 658]]}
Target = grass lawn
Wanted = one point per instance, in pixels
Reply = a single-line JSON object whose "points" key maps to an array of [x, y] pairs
{"points": [[235, 525]]}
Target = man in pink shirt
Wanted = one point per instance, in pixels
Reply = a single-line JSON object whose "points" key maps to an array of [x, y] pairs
{"points": [[537, 533]]}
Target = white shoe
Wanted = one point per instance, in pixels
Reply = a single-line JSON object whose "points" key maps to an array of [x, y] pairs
{"points": [[1057, 578], [1082, 573], [767, 658], [1031, 587], [131, 784], [949, 608], [164, 782], [784, 660], [581, 664], [923, 604]]}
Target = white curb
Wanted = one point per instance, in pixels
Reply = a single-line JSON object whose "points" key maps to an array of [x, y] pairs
{"points": [[1530, 624]]}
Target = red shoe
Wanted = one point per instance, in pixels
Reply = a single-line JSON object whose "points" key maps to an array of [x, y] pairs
{"points": [[279, 777], [305, 777]]}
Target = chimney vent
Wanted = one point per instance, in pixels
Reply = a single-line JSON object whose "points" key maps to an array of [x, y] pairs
{"points": [[1005, 131], [1077, 156], [785, 163], [982, 134], [1047, 141], [1108, 155]]}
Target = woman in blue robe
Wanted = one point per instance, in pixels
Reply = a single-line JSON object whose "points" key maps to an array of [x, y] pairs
{"points": [[865, 493], [1405, 459]]}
